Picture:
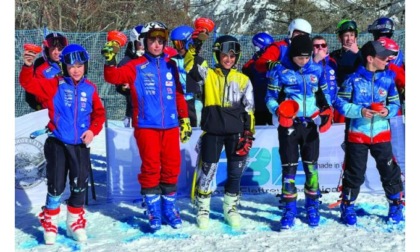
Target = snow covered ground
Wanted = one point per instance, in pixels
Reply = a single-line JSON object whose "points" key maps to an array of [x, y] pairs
{"points": [[123, 227]]}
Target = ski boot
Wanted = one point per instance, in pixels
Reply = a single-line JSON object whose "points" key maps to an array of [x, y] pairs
{"points": [[289, 214], [76, 223], [153, 204], [348, 214], [396, 205], [312, 211], [230, 212], [170, 211], [49, 221], [203, 210]]}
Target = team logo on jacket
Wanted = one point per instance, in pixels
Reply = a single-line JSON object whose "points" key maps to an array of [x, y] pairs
{"points": [[313, 78], [382, 92], [292, 79], [169, 76], [30, 163], [363, 91]]}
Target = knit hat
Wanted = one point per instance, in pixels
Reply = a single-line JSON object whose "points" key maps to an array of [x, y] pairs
{"points": [[301, 45]]}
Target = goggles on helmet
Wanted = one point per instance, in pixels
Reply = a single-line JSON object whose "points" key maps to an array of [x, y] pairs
{"points": [[230, 46], [59, 42], [75, 57], [347, 26], [159, 33]]}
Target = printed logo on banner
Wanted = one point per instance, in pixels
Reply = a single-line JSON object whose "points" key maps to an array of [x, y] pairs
{"points": [[259, 171], [30, 163]]}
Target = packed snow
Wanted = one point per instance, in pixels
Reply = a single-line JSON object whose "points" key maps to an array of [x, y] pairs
{"points": [[123, 226]]}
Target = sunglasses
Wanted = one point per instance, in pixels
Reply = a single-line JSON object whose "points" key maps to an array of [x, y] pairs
{"points": [[75, 57], [317, 46]]}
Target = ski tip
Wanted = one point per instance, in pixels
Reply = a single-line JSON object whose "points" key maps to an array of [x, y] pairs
{"points": [[335, 204]]}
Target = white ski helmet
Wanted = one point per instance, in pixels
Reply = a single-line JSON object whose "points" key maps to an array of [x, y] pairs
{"points": [[154, 29], [301, 25], [135, 33], [136, 38]]}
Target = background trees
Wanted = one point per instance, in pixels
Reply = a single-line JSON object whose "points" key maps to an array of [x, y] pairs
{"points": [[240, 17]]}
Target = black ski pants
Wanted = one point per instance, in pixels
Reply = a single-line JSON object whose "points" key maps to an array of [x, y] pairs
{"points": [[67, 160]]}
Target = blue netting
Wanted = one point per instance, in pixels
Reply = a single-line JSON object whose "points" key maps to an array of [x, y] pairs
{"points": [[114, 102]]}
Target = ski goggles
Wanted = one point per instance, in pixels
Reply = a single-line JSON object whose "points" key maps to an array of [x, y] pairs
{"points": [[178, 44], [347, 26], [154, 33], [59, 42], [229, 46], [75, 57]]}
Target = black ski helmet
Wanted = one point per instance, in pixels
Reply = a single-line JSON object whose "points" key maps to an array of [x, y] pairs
{"points": [[226, 44]]}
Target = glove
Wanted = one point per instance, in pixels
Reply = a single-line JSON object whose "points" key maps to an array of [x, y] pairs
{"points": [[198, 36], [272, 64], [201, 34], [326, 119], [109, 51], [186, 130], [244, 143]]}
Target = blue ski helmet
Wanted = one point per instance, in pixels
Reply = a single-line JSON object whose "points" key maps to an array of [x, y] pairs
{"points": [[72, 54], [262, 40], [181, 37], [382, 27]]}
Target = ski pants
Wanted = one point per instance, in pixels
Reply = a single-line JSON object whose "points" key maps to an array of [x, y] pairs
{"points": [[160, 154], [63, 159], [356, 164], [300, 138], [192, 114], [211, 148]]}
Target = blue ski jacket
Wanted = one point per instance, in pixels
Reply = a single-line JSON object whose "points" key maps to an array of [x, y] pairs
{"points": [[359, 91], [298, 84]]}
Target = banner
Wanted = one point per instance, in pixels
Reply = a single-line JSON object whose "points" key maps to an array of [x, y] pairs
{"points": [[30, 181], [263, 174]]}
